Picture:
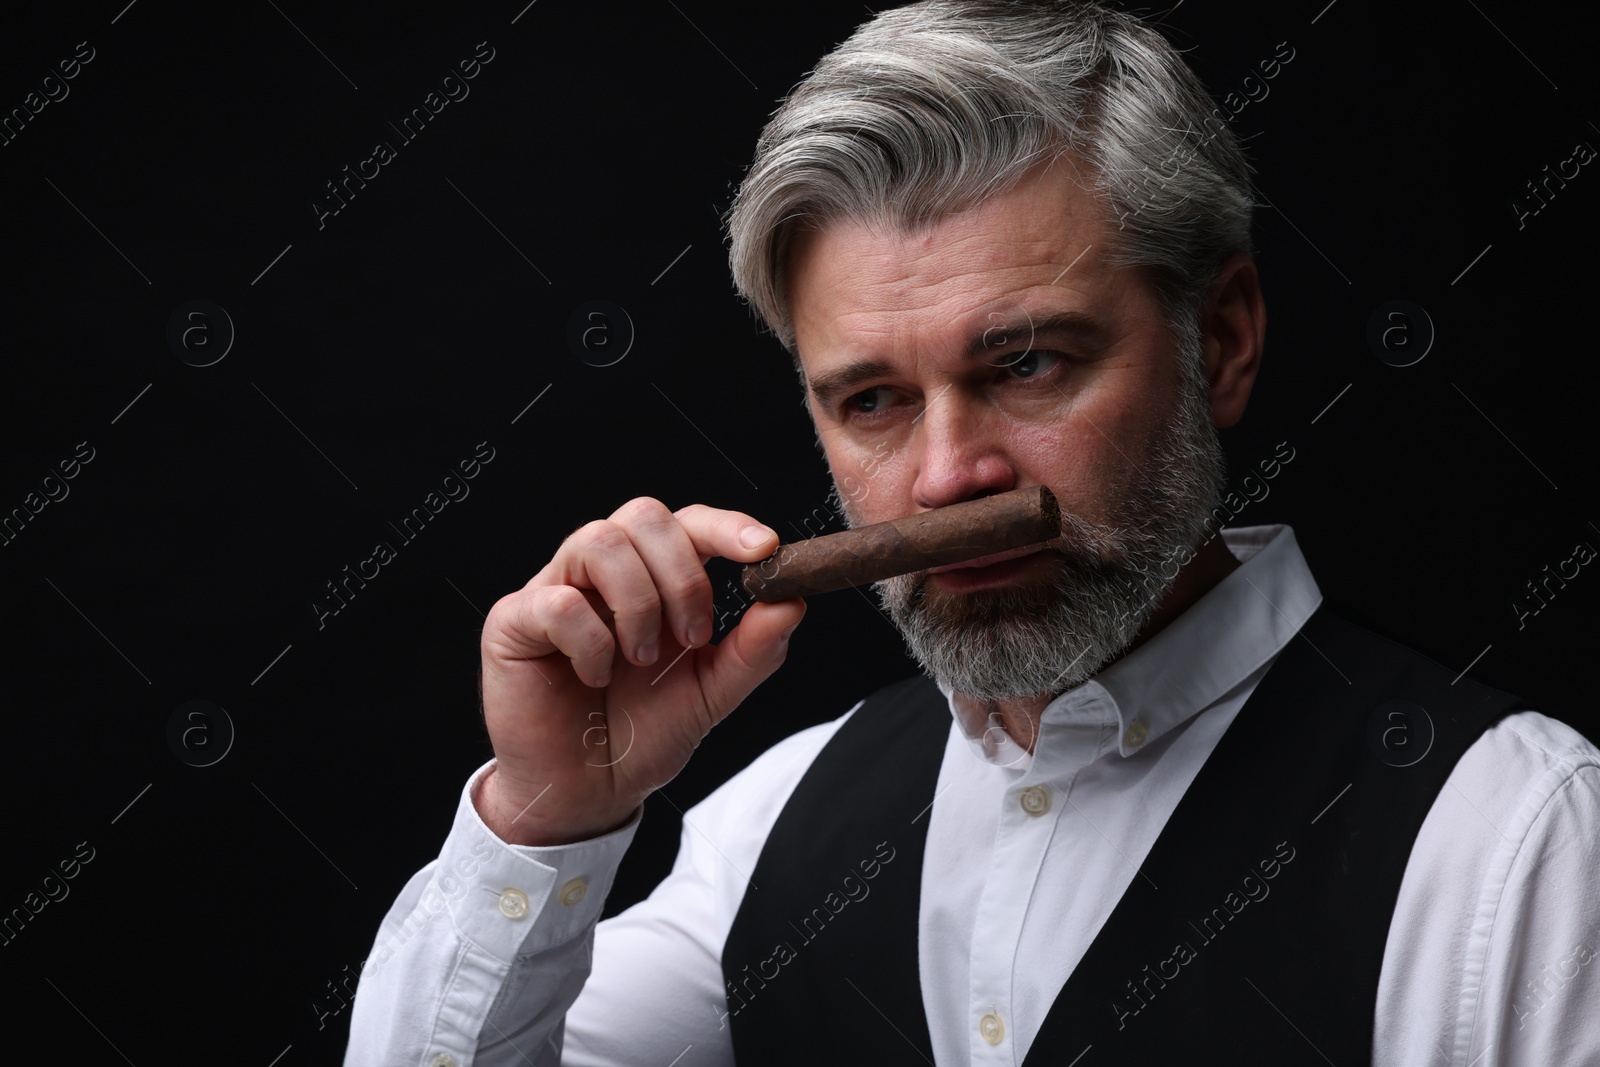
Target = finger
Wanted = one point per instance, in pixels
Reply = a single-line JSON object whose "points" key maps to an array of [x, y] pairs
{"points": [[716, 532], [676, 571], [602, 556], [553, 619], [748, 655]]}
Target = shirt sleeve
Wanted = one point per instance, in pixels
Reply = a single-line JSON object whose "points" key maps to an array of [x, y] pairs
{"points": [[657, 995], [484, 950], [485, 958], [1493, 955]]}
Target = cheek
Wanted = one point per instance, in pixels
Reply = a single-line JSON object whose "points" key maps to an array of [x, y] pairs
{"points": [[1088, 457], [1069, 456], [872, 480]]}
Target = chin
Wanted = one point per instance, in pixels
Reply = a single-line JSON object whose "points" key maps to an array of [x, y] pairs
{"points": [[1039, 632]]}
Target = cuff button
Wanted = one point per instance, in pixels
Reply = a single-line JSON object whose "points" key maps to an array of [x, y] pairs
{"points": [[1135, 734], [574, 891], [513, 903]]}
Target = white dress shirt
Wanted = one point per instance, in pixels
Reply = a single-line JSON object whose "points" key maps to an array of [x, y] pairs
{"points": [[1493, 954]]}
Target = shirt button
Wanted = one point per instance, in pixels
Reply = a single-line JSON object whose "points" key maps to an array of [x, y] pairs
{"points": [[574, 891], [513, 905], [442, 1060], [992, 1029], [1135, 734], [1035, 800]]}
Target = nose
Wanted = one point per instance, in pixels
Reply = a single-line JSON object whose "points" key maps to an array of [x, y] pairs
{"points": [[959, 451]]}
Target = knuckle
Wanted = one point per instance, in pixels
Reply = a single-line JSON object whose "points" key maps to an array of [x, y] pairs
{"points": [[569, 613], [561, 603], [502, 611], [511, 613], [601, 536], [691, 511], [596, 643], [644, 511], [564, 602], [641, 604], [693, 587]]}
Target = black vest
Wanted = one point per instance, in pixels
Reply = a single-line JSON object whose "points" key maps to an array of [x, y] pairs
{"points": [[1277, 872]]}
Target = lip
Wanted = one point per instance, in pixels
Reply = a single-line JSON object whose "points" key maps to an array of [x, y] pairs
{"points": [[985, 561]]}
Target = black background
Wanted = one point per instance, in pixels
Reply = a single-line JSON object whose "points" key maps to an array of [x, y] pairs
{"points": [[592, 160]]}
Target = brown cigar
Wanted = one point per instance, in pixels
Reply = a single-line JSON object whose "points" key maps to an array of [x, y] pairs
{"points": [[867, 554]]}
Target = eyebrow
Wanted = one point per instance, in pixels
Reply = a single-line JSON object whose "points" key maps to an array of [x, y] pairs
{"points": [[826, 388], [1071, 325], [1016, 336]]}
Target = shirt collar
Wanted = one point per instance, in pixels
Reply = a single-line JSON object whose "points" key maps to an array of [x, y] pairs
{"points": [[1221, 640]]}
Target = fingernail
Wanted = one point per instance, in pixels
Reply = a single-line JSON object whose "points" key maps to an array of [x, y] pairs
{"points": [[699, 632], [647, 652], [785, 635], [755, 536]]}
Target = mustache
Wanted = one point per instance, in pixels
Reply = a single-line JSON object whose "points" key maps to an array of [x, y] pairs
{"points": [[1069, 556], [1072, 575]]}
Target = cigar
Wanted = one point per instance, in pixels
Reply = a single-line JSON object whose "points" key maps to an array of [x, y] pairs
{"points": [[867, 554]]}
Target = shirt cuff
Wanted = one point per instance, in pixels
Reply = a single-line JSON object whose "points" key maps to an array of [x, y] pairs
{"points": [[517, 900]]}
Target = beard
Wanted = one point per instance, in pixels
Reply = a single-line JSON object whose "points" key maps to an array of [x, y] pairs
{"points": [[1104, 581]]}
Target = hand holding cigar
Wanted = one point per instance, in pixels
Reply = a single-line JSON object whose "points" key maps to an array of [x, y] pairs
{"points": [[867, 554]]}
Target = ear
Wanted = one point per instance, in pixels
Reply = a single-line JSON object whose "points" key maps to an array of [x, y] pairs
{"points": [[1233, 329]]}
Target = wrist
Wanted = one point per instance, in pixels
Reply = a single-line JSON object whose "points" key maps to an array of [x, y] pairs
{"points": [[512, 812]]}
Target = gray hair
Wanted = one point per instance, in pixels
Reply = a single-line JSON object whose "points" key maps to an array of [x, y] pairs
{"points": [[935, 107]]}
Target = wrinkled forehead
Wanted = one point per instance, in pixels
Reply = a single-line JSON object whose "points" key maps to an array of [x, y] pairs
{"points": [[1042, 248]]}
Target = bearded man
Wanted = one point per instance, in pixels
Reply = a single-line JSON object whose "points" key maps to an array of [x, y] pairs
{"points": [[1144, 805]]}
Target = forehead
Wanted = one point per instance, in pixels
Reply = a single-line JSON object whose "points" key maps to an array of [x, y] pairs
{"points": [[1042, 246]]}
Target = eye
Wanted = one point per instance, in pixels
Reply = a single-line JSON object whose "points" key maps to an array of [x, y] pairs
{"points": [[868, 401], [1032, 363]]}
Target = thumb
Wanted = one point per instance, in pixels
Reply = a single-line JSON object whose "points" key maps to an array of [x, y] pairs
{"points": [[749, 654]]}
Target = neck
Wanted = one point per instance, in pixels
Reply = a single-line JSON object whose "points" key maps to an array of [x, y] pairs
{"points": [[1020, 716]]}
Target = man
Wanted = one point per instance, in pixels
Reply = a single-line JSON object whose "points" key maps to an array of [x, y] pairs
{"points": [[1168, 817]]}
